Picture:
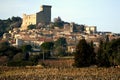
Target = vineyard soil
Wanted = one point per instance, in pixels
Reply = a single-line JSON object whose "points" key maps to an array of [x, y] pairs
{"points": [[58, 72]]}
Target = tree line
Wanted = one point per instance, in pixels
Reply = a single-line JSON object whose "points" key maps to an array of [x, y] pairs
{"points": [[9, 24], [21, 55], [107, 55], [15, 56]]}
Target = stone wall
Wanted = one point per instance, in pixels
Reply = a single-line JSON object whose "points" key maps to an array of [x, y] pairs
{"points": [[27, 20], [44, 16]]}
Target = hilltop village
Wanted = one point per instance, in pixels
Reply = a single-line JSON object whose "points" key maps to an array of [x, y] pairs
{"points": [[47, 31]]}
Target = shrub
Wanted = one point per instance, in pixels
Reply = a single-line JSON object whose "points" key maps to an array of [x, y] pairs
{"points": [[20, 63]]}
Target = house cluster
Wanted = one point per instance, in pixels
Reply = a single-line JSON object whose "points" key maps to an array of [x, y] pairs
{"points": [[72, 32], [36, 37]]}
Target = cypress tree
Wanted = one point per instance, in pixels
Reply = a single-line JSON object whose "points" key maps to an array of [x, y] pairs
{"points": [[83, 56]]}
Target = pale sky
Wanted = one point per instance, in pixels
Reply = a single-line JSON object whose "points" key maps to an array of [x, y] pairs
{"points": [[105, 14]]}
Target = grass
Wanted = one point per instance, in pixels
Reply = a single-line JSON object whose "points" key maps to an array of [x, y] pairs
{"points": [[59, 72]]}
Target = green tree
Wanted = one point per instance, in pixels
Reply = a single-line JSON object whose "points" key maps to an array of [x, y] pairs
{"points": [[26, 49], [18, 57], [15, 22], [93, 54], [113, 50], [61, 44], [102, 55], [4, 46], [31, 26], [47, 47], [83, 56], [7, 50], [58, 22], [10, 23], [59, 51]]}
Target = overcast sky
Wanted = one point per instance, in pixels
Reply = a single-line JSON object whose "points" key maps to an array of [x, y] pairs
{"points": [[105, 14]]}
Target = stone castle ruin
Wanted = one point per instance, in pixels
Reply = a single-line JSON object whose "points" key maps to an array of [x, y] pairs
{"points": [[44, 16]]}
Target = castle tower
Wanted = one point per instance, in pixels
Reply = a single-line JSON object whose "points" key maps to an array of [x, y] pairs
{"points": [[44, 16], [72, 27]]}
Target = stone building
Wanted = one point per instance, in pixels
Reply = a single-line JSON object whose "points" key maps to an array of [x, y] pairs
{"points": [[91, 29], [72, 27], [44, 16]]}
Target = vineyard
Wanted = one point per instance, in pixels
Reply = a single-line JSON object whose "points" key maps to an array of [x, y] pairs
{"points": [[58, 70]]}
